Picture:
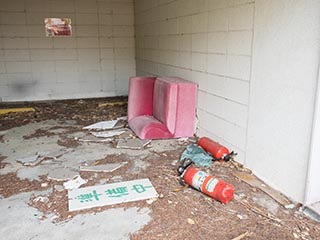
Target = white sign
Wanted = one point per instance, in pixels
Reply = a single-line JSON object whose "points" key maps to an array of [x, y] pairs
{"points": [[114, 193]]}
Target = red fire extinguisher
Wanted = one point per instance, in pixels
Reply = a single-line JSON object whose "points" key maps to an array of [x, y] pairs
{"points": [[201, 181], [219, 152]]}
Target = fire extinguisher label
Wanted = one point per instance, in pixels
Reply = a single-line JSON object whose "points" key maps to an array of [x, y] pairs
{"points": [[198, 179], [212, 184]]}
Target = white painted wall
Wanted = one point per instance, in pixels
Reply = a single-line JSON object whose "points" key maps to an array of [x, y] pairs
{"points": [[256, 64], [208, 42], [255, 61], [312, 194], [282, 92], [96, 61]]}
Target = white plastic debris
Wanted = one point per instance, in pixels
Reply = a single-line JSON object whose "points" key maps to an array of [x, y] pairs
{"points": [[102, 125], [74, 183], [184, 139], [102, 168], [41, 199], [191, 221], [58, 188], [107, 134], [239, 216], [289, 206], [151, 200], [122, 118]]}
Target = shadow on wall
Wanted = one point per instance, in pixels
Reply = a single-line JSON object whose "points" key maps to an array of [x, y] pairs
{"points": [[22, 87]]}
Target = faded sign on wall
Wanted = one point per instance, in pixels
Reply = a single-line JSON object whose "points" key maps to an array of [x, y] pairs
{"points": [[58, 27]]}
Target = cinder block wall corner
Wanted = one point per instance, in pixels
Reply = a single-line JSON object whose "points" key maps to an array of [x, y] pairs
{"points": [[96, 61]]}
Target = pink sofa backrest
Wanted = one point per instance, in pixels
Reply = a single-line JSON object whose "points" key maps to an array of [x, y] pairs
{"points": [[165, 103], [185, 102]]}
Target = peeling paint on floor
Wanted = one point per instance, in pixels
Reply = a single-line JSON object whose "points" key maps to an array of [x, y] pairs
{"points": [[34, 206], [20, 221]]}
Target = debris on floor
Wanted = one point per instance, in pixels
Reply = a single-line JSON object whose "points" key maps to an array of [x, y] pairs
{"points": [[109, 194], [91, 138], [108, 134], [37, 158], [197, 155], [74, 183], [62, 174], [111, 104], [124, 118], [36, 196], [30, 160], [242, 236], [191, 221], [102, 125], [133, 143], [257, 183], [102, 167]]}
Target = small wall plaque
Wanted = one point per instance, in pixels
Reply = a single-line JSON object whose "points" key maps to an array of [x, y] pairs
{"points": [[58, 27]]}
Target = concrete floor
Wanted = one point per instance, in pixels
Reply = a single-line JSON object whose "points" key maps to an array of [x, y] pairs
{"points": [[20, 185], [21, 221]]}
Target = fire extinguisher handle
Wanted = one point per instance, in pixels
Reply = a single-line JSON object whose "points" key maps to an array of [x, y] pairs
{"points": [[184, 165], [230, 156]]}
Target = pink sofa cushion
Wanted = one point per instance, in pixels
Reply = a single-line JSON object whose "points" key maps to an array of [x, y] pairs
{"points": [[140, 98], [147, 127], [185, 106], [165, 103]]}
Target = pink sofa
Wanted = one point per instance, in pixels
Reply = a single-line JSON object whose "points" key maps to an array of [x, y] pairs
{"points": [[161, 107]]}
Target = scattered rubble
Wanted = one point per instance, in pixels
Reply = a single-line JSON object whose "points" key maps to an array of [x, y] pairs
{"points": [[112, 104], [68, 143], [102, 167], [91, 138], [62, 174], [2, 164], [74, 183], [37, 158], [257, 183], [108, 134], [11, 185], [102, 125], [134, 143], [247, 216]]}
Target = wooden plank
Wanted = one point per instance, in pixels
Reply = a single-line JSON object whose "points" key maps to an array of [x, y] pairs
{"points": [[253, 181], [111, 104]]}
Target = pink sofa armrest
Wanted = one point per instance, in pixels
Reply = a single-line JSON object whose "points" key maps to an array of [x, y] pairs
{"points": [[140, 97], [147, 127]]}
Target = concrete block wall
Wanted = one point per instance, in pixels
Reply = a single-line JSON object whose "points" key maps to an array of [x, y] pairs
{"points": [[95, 61], [208, 42], [285, 75]]}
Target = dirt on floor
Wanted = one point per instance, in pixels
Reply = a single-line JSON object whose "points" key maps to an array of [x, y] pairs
{"points": [[84, 112], [179, 212]]}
